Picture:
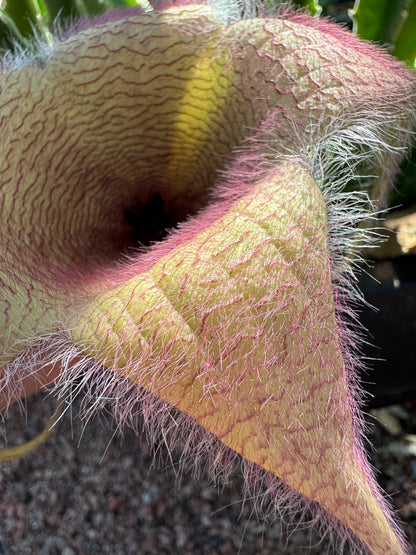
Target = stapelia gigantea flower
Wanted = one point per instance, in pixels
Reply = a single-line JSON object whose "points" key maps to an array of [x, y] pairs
{"points": [[242, 133]]}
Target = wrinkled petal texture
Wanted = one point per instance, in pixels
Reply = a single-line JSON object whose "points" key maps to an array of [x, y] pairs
{"points": [[231, 318], [237, 329]]}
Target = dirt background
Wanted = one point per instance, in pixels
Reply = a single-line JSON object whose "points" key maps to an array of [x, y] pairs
{"points": [[89, 491]]}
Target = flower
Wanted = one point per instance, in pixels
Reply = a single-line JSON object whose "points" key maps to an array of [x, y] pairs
{"points": [[179, 229]]}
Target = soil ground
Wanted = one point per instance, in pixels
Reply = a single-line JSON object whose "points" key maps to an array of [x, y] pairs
{"points": [[89, 491]]}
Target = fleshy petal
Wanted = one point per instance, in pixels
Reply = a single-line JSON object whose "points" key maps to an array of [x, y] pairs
{"points": [[147, 105], [236, 327]]}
